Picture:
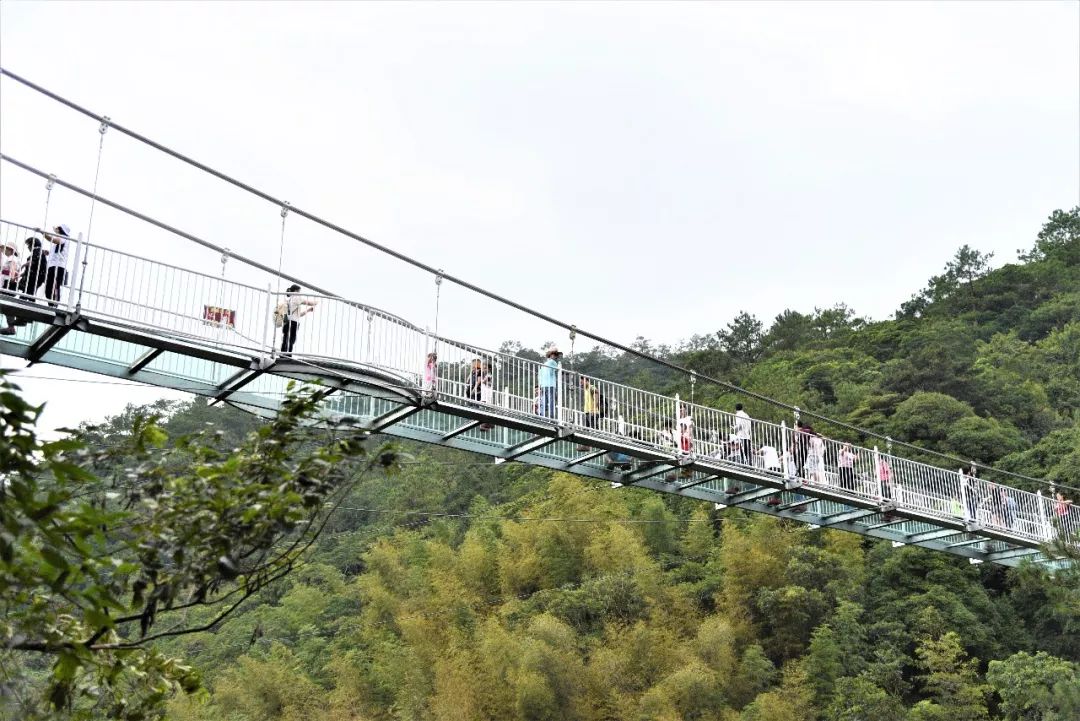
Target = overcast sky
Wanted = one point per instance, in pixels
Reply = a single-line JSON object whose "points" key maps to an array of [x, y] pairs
{"points": [[634, 168]]}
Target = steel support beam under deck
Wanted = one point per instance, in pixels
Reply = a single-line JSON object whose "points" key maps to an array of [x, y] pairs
{"points": [[848, 516], [585, 458], [62, 325], [656, 470], [969, 542], [392, 418], [1011, 553], [702, 481], [144, 360], [932, 535], [464, 428], [748, 496], [528, 447]]}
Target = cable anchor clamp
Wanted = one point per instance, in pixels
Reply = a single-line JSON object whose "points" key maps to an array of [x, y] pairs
{"points": [[438, 277], [573, 333], [106, 121], [797, 412], [285, 209], [50, 182]]}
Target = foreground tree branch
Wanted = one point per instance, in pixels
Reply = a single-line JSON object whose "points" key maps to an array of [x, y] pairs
{"points": [[95, 541]]}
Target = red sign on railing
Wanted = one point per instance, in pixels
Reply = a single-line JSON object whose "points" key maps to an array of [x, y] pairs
{"points": [[213, 315]]}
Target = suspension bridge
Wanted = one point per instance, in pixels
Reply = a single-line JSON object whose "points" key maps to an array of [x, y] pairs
{"points": [[144, 320]]}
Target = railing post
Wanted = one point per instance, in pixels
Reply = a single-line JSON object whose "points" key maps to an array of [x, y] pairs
{"points": [[964, 495], [559, 393], [1044, 521], [677, 436], [368, 318], [71, 276], [783, 449], [877, 474], [268, 320], [506, 404]]}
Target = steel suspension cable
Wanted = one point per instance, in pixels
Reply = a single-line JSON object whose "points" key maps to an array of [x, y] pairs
{"points": [[473, 287], [165, 226], [93, 204], [48, 196]]}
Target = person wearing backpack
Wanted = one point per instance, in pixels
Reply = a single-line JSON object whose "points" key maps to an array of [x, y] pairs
{"points": [[288, 313]]}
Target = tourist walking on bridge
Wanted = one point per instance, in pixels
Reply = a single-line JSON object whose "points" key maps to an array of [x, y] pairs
{"points": [[33, 272], [742, 434], [9, 268], [814, 467], [56, 264], [431, 373], [686, 430], [290, 311], [845, 465], [801, 443], [590, 403], [549, 383], [475, 380], [1061, 515], [31, 276]]}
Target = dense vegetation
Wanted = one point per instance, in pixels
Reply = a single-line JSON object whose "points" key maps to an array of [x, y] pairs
{"points": [[460, 589]]}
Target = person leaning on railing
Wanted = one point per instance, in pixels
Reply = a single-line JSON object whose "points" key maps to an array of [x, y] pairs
{"points": [[289, 311]]}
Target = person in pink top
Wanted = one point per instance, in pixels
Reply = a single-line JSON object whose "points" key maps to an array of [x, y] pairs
{"points": [[885, 474], [431, 372], [1061, 514]]}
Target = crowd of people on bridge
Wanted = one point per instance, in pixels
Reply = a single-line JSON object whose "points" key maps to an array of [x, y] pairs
{"points": [[43, 268], [805, 454]]}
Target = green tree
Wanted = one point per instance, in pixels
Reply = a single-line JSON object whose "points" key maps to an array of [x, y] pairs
{"points": [[860, 699], [1036, 687], [741, 339], [927, 416], [1059, 239], [755, 674], [91, 566], [951, 681]]}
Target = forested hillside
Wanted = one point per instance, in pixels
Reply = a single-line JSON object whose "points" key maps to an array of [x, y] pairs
{"points": [[465, 590], [457, 589]]}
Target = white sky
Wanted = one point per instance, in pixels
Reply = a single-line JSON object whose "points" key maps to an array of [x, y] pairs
{"points": [[634, 168]]}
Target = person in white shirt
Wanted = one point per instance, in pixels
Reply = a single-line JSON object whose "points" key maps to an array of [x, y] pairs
{"points": [[790, 469], [814, 468], [56, 263], [770, 459], [742, 432], [9, 268], [295, 307]]}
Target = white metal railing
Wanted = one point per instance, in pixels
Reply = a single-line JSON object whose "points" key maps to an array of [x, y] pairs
{"points": [[128, 289]]}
